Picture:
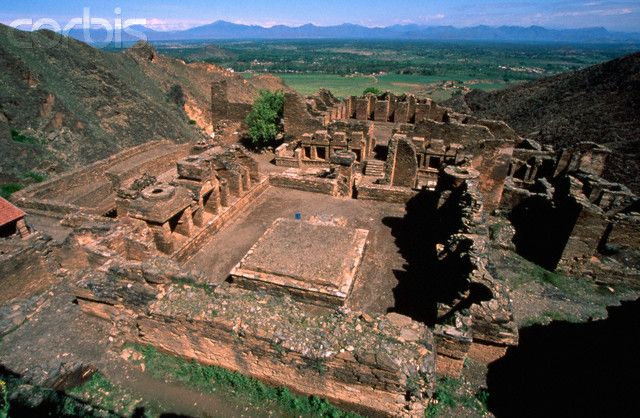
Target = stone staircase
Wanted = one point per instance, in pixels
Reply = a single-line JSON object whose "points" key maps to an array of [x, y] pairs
{"points": [[374, 168]]}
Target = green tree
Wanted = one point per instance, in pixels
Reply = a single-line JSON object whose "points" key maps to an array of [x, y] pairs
{"points": [[373, 90], [264, 120]]}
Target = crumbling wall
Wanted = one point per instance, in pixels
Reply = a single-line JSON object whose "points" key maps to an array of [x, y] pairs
{"points": [[307, 183], [26, 267], [89, 189], [297, 117], [625, 232], [452, 131], [222, 109], [493, 160], [381, 365], [491, 324]]}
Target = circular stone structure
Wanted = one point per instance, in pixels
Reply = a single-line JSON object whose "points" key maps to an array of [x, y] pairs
{"points": [[159, 192], [457, 175]]}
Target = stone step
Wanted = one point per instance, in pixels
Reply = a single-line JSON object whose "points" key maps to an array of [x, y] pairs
{"points": [[374, 168]]}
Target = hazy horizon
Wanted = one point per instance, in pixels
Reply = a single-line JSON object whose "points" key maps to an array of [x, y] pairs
{"points": [[618, 16]]}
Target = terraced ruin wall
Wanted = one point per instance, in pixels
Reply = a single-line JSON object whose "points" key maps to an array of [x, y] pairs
{"points": [[367, 364]]}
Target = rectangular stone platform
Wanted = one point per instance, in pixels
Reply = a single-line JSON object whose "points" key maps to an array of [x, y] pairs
{"points": [[313, 262]]}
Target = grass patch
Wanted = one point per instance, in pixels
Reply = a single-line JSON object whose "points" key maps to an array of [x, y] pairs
{"points": [[4, 399], [550, 316], [101, 392], [6, 190], [449, 394], [23, 139], [34, 176], [18, 398], [210, 379]]}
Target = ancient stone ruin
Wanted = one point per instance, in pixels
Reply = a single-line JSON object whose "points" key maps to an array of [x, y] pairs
{"points": [[284, 270]]}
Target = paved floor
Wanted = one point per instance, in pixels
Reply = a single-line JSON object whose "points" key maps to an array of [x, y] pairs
{"points": [[375, 281]]}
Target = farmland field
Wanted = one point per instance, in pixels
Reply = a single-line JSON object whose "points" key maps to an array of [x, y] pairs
{"points": [[435, 69], [397, 83]]}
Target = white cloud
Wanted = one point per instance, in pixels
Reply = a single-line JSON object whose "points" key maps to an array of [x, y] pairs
{"points": [[596, 12], [174, 24]]}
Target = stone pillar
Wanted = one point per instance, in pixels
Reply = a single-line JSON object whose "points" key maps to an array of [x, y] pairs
{"points": [[587, 233], [493, 163], [224, 193], [422, 112], [402, 111], [351, 107], [213, 203], [363, 109], [381, 111], [344, 162], [162, 237], [401, 167], [393, 104], [22, 229], [185, 223], [198, 214], [411, 109]]}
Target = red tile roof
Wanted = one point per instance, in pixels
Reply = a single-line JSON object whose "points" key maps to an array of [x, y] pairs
{"points": [[9, 213]]}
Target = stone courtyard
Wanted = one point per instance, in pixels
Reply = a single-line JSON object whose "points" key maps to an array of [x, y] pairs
{"points": [[375, 280]]}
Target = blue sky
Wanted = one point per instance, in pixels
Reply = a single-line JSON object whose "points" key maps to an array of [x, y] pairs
{"points": [[179, 14]]}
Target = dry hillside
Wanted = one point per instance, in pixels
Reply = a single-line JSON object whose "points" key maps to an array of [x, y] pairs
{"points": [[599, 104], [64, 103]]}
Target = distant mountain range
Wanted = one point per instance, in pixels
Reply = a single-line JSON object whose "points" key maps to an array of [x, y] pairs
{"points": [[226, 30]]}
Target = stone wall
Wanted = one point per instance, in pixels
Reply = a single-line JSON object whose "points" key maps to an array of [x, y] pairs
{"points": [[90, 188], [384, 193], [307, 183], [382, 365], [493, 160], [491, 323], [26, 267], [625, 231], [222, 109]]}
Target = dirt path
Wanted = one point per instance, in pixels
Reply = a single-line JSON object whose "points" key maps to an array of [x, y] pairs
{"points": [[169, 397]]}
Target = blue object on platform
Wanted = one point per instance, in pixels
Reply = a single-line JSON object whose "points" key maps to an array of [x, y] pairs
{"points": [[298, 216]]}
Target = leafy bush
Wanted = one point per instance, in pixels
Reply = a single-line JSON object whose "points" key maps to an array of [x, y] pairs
{"points": [[176, 95], [7, 190], [34, 176], [4, 400], [264, 121], [23, 139], [373, 90], [448, 395]]}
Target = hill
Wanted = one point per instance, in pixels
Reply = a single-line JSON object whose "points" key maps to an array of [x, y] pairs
{"points": [[228, 30], [64, 103], [598, 104]]}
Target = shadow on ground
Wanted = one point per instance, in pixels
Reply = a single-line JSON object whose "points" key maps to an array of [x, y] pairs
{"points": [[565, 369], [424, 281]]}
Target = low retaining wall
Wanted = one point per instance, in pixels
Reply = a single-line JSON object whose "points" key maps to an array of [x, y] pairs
{"points": [[384, 193], [382, 366], [305, 183]]}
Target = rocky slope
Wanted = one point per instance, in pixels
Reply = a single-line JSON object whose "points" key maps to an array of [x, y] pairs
{"points": [[600, 104], [64, 103]]}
